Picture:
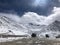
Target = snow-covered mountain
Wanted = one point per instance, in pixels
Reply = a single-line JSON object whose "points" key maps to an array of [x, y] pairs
{"points": [[55, 26], [26, 24], [8, 26], [52, 29], [32, 21], [36, 24], [29, 23]]}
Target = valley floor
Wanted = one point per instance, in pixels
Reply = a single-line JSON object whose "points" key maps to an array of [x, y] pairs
{"points": [[32, 41]]}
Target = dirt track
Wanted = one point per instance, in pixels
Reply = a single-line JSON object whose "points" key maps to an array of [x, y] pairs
{"points": [[32, 41]]}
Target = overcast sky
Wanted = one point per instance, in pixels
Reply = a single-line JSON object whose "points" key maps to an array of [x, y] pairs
{"points": [[42, 7]]}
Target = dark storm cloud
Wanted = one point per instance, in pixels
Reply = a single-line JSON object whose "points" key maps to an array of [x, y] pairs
{"points": [[21, 6]]}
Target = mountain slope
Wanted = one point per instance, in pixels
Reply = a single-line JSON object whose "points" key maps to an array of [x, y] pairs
{"points": [[8, 26], [28, 26], [52, 30], [55, 26]]}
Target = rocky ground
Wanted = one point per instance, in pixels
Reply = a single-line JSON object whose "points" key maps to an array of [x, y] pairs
{"points": [[32, 41]]}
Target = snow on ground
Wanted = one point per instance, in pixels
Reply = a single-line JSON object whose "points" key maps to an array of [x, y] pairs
{"points": [[9, 39], [19, 32]]}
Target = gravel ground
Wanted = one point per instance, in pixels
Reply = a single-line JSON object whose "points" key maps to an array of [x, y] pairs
{"points": [[32, 41]]}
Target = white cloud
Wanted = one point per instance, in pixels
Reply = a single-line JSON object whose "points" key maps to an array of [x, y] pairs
{"points": [[41, 3], [31, 17], [35, 18], [59, 0], [54, 16], [28, 17]]}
